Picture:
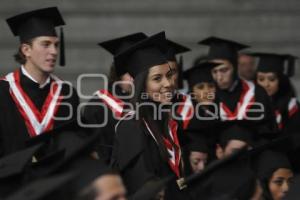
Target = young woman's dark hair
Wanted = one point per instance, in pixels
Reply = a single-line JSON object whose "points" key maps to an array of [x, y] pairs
{"points": [[285, 87], [146, 112]]}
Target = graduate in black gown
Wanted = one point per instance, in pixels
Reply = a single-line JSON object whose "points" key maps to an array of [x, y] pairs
{"points": [[202, 94], [273, 72], [272, 77], [237, 99], [107, 105], [275, 174], [33, 100], [147, 145]]}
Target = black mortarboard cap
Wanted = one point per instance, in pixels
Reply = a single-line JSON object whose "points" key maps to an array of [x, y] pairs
{"points": [[88, 171], [198, 144], [174, 49], [269, 161], [149, 190], [46, 188], [199, 73], [223, 49], [271, 62], [143, 55], [41, 22], [214, 178], [15, 163], [234, 131], [291, 60], [117, 45], [215, 165], [180, 73]]}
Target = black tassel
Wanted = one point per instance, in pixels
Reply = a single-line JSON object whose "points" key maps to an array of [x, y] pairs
{"points": [[291, 60], [180, 73], [62, 60]]}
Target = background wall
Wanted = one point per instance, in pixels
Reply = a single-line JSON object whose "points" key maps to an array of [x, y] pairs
{"points": [[269, 25]]}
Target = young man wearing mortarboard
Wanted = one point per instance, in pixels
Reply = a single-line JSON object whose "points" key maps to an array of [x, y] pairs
{"points": [[237, 99], [32, 99]]}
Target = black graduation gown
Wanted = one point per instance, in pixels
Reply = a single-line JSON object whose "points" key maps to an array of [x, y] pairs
{"points": [[13, 131], [287, 111], [137, 156], [265, 122], [99, 114]]}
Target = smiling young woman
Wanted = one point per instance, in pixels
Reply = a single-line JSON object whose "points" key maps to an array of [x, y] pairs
{"points": [[147, 143]]}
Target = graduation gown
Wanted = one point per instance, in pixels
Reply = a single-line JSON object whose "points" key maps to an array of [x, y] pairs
{"points": [[105, 110], [234, 104], [287, 114], [15, 131], [137, 156]]}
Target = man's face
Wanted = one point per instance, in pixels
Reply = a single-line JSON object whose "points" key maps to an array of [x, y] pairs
{"points": [[198, 161], [41, 55], [246, 67], [110, 187], [204, 92], [223, 73]]}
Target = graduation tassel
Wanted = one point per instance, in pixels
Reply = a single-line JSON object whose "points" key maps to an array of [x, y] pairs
{"points": [[180, 73], [62, 60], [291, 61]]}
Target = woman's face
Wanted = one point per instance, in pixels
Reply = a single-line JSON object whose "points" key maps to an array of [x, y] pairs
{"points": [[279, 183], [160, 83], [204, 92], [269, 81]]}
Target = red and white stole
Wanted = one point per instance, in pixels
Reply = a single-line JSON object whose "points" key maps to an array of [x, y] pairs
{"points": [[292, 106], [246, 100], [116, 105], [186, 110], [278, 119], [174, 160], [36, 121]]}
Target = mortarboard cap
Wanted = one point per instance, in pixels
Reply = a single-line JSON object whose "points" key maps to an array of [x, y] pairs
{"points": [[14, 169], [199, 73], [180, 73], [198, 144], [41, 22], [149, 190], [271, 62], [236, 132], [174, 49], [88, 171], [223, 49], [15, 163], [143, 55], [117, 45], [46, 188], [269, 161], [214, 179]]}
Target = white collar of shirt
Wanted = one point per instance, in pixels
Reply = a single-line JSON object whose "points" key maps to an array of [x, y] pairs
{"points": [[24, 71]]}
